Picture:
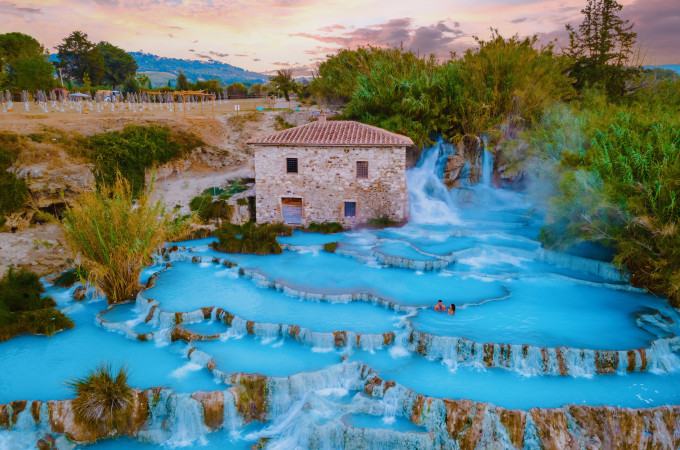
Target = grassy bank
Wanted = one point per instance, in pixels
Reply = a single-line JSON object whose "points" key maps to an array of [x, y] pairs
{"points": [[24, 311]]}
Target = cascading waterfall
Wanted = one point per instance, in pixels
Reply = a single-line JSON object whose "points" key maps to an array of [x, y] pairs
{"points": [[429, 199], [487, 167]]}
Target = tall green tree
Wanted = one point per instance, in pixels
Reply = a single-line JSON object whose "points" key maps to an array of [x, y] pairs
{"points": [[118, 64], [24, 63], [182, 82], [237, 90], [602, 46], [78, 56], [283, 81]]}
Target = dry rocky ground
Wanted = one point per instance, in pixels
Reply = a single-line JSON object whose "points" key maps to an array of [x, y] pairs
{"points": [[52, 175]]}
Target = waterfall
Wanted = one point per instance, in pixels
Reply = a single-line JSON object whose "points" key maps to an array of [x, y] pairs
{"points": [[487, 167], [429, 199]]}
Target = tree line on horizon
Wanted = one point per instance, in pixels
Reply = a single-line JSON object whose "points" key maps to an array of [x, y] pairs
{"points": [[82, 65]]}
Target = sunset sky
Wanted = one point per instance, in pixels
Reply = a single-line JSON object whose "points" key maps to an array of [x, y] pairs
{"points": [[270, 34]]}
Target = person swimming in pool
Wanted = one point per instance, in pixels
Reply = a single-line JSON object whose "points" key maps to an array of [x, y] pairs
{"points": [[452, 309], [440, 306]]}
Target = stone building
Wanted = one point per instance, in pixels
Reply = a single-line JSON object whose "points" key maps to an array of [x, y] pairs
{"points": [[331, 171]]}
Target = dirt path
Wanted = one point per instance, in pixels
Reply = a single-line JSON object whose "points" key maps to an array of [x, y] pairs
{"points": [[40, 249], [224, 157]]}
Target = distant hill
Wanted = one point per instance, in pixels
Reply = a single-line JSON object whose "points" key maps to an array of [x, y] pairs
{"points": [[674, 67], [160, 78], [162, 68]]}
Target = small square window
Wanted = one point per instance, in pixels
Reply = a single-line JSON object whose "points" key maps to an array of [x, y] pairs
{"points": [[350, 209], [362, 169], [292, 165]]}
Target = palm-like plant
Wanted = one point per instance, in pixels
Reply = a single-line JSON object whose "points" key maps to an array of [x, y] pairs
{"points": [[102, 399]]}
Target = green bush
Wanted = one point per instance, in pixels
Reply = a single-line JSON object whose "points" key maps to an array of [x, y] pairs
{"points": [[135, 149], [216, 209], [23, 310], [381, 222], [207, 208], [13, 190], [325, 228], [330, 247], [251, 238], [103, 401], [70, 277]]}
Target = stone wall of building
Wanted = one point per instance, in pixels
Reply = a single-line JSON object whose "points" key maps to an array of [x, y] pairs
{"points": [[326, 179]]}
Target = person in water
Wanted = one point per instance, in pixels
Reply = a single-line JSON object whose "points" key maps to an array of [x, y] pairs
{"points": [[452, 309], [440, 306]]}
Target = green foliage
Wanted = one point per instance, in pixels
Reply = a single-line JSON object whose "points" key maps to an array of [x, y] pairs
{"points": [[13, 190], [115, 237], [210, 86], [70, 277], [251, 238], [338, 76], [210, 208], [237, 90], [118, 64], [619, 182], [143, 81], [501, 79], [78, 56], [284, 83], [212, 191], [135, 149], [281, 124], [325, 228], [103, 400], [381, 222], [24, 63], [258, 90], [182, 82], [330, 247], [23, 310], [602, 47], [130, 84]]}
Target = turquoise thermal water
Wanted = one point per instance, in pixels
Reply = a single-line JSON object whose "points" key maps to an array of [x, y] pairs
{"points": [[474, 246]]}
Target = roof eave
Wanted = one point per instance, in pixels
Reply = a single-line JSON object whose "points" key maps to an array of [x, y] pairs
{"points": [[307, 144]]}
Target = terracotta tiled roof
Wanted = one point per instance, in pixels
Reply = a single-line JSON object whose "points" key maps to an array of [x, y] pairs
{"points": [[334, 133]]}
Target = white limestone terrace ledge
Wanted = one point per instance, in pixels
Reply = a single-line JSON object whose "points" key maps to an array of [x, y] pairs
{"points": [[662, 355], [448, 423]]}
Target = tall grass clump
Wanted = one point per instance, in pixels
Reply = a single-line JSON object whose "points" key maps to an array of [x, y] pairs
{"points": [[251, 238], [103, 400], [23, 309], [114, 237]]}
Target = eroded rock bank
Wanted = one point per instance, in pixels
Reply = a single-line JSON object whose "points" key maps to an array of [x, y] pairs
{"points": [[157, 414]]}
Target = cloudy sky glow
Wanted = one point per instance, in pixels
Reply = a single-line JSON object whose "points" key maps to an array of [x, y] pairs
{"points": [[270, 34]]}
